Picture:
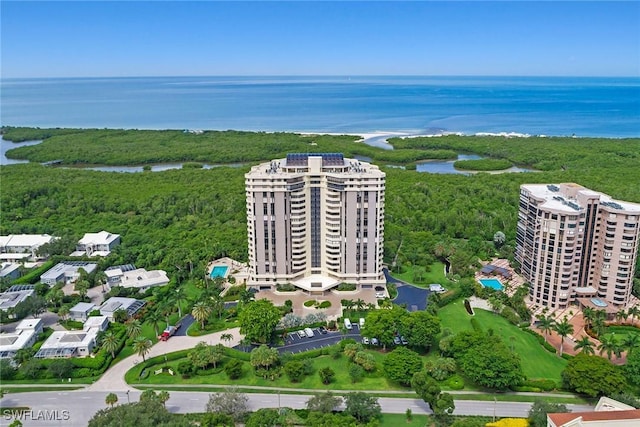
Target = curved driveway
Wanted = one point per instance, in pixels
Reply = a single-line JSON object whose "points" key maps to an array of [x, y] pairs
{"points": [[113, 378]]}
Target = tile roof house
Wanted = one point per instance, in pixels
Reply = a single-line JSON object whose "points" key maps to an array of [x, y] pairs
{"points": [[608, 412]]}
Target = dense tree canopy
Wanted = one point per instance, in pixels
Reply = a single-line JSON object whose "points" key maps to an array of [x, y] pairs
{"points": [[146, 413], [195, 215], [593, 376], [258, 320], [401, 364]]}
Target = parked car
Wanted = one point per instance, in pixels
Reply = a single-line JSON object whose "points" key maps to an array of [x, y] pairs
{"points": [[403, 341], [301, 333], [374, 341], [347, 324], [365, 340], [396, 340], [322, 330], [380, 295], [308, 332]]}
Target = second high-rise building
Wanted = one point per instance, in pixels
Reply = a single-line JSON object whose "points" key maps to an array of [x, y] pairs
{"points": [[315, 220], [575, 243]]}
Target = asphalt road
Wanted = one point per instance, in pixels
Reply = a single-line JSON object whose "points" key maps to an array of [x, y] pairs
{"points": [[296, 344], [75, 408]]}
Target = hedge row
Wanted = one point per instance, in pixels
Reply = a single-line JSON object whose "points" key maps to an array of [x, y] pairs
{"points": [[34, 275]]}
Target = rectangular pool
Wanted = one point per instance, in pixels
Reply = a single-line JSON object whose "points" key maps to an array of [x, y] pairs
{"points": [[219, 271], [491, 283]]}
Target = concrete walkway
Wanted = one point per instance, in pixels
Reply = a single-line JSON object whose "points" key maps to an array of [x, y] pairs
{"points": [[113, 378]]}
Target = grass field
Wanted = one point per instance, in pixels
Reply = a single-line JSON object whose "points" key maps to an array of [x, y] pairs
{"points": [[536, 361], [434, 275], [341, 381]]}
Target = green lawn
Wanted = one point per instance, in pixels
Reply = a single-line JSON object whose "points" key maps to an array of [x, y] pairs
{"points": [[341, 381], [394, 420], [536, 361], [434, 275]]}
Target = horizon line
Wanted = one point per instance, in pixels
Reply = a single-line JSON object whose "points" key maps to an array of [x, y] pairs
{"points": [[319, 75]]}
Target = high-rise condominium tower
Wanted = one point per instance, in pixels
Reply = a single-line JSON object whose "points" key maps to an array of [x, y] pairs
{"points": [[573, 243], [315, 220]]}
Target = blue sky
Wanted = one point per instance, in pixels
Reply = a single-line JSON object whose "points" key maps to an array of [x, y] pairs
{"points": [[65, 39]]}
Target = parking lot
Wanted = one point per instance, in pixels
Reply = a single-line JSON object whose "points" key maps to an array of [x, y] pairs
{"points": [[295, 343]]}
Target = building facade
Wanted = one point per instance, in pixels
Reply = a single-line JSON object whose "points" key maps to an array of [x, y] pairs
{"points": [[575, 243], [315, 220]]}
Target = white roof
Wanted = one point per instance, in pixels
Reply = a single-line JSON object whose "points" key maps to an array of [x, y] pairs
{"points": [[75, 339], [310, 283], [17, 340], [25, 240], [114, 272], [141, 278], [69, 269], [11, 299], [101, 238], [82, 307], [8, 268], [114, 304]]}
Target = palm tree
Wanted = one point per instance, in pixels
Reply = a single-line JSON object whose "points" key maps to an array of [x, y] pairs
{"points": [[217, 305], [134, 328], [201, 311], [546, 325], [360, 304], [163, 396], [111, 399], [226, 337], [563, 329], [621, 315], [110, 343], [154, 317], [82, 287], [63, 312], [585, 345], [101, 279], [598, 326], [179, 297], [56, 296], [634, 312], [142, 346], [631, 342], [608, 344], [348, 304]]}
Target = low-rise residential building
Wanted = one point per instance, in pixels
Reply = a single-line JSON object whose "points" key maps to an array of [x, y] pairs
{"points": [[10, 299], [96, 244], [9, 270], [142, 279], [81, 311], [607, 413], [25, 335], [113, 304], [116, 272], [73, 343], [22, 246], [66, 272]]}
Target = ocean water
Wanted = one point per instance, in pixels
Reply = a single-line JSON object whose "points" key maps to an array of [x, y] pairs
{"points": [[608, 107]]}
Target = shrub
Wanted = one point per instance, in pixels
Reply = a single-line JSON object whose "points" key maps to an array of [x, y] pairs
{"points": [[346, 287], [295, 370], [233, 369], [467, 306], [286, 287], [456, 382], [309, 303], [325, 304], [475, 325]]}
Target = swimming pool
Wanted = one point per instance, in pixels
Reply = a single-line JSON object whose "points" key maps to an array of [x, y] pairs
{"points": [[219, 271], [491, 283]]}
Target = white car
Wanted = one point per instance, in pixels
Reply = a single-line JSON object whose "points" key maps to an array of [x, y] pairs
{"points": [[380, 295], [374, 341], [365, 340]]}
